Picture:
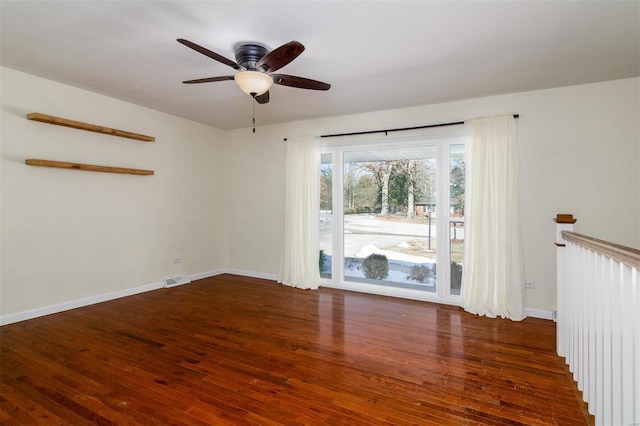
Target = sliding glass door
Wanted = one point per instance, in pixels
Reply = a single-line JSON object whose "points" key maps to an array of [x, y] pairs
{"points": [[396, 216], [326, 216], [389, 233]]}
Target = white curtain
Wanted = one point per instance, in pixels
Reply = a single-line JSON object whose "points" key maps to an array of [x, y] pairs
{"points": [[300, 260], [492, 278]]}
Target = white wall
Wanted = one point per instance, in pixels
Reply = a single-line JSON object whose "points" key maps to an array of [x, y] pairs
{"points": [[578, 148], [70, 235], [217, 197]]}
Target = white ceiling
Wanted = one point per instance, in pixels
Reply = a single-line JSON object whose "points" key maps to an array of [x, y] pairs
{"points": [[377, 55]]}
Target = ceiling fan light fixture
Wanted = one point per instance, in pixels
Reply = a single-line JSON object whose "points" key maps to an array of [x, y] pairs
{"points": [[253, 83]]}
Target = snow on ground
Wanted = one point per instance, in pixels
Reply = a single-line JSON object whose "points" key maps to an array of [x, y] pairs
{"points": [[370, 249], [399, 266], [393, 277]]}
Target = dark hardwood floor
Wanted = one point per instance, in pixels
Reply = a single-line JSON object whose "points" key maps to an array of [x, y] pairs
{"points": [[235, 350]]}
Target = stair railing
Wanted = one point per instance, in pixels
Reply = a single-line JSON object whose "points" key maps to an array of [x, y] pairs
{"points": [[598, 322]]}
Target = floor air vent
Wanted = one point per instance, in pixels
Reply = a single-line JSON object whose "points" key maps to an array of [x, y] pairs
{"points": [[174, 281]]}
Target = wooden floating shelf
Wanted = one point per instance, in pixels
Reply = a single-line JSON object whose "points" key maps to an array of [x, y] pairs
{"points": [[36, 116], [87, 167]]}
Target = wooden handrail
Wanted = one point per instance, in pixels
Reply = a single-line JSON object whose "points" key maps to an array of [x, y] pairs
{"points": [[623, 254]]}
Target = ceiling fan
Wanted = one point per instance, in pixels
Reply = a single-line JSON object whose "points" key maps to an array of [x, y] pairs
{"points": [[256, 65]]}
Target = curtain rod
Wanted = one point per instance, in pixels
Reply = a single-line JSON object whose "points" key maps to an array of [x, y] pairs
{"points": [[400, 129]]}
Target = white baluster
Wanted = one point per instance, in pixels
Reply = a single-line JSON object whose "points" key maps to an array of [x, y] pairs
{"points": [[600, 274], [627, 348], [607, 326]]}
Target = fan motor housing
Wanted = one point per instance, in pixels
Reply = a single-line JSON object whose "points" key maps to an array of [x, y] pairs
{"points": [[248, 55]]}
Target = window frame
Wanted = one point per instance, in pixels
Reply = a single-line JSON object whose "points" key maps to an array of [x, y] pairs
{"points": [[442, 140]]}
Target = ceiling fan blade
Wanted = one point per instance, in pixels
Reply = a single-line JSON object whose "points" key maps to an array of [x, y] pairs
{"points": [[209, 53], [263, 99], [209, 79], [299, 82], [280, 57]]}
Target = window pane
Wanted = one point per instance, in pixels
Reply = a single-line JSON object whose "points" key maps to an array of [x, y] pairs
{"points": [[326, 211], [456, 220], [389, 230]]}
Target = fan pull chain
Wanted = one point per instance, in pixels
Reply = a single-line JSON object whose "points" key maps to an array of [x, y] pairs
{"points": [[254, 114]]}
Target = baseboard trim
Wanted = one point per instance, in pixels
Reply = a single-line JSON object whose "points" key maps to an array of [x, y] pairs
{"points": [[250, 274], [78, 303], [207, 274], [538, 313]]}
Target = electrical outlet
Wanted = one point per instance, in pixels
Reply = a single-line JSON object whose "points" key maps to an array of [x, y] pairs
{"points": [[177, 260], [529, 284]]}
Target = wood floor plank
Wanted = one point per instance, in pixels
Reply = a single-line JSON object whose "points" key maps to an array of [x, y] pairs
{"points": [[233, 350], [19, 409]]}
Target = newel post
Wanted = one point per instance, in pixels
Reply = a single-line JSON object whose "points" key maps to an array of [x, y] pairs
{"points": [[564, 222]]}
